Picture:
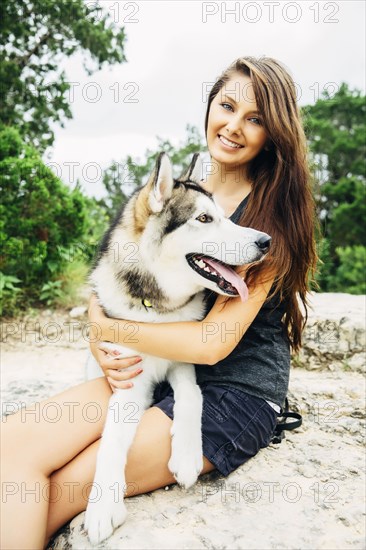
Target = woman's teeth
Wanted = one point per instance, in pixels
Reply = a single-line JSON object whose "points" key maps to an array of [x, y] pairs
{"points": [[229, 143]]}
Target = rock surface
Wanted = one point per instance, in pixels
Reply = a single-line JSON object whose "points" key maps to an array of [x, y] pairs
{"points": [[308, 492], [335, 333]]}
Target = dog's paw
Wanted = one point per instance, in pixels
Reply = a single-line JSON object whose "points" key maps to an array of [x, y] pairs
{"points": [[186, 461], [102, 518], [185, 471]]}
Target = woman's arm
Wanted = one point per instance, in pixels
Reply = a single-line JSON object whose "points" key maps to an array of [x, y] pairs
{"points": [[202, 342]]}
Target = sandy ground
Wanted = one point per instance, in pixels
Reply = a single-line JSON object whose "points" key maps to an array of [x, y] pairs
{"points": [[306, 493]]}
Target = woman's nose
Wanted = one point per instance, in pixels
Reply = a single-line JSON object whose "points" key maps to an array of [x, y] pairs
{"points": [[233, 127]]}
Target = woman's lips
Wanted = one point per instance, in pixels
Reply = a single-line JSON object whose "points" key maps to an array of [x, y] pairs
{"points": [[228, 143]]}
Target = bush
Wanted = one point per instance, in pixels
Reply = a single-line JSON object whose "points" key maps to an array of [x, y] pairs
{"points": [[324, 268], [350, 274], [40, 218]]}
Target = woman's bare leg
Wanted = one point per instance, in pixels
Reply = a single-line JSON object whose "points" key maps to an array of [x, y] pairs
{"points": [[65, 453], [146, 470], [34, 443]]}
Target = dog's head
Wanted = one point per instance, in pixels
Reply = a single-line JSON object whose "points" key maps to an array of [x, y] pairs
{"points": [[184, 237]]}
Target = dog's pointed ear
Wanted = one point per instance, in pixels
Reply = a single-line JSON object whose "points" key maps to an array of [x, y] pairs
{"points": [[161, 183], [194, 170]]}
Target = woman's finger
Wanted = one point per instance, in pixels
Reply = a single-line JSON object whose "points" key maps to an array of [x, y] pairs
{"points": [[120, 376], [108, 362]]}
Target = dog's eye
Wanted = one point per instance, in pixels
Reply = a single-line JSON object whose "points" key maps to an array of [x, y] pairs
{"points": [[204, 218]]}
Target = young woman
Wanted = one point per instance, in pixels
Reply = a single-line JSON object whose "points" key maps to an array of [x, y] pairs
{"points": [[259, 176]]}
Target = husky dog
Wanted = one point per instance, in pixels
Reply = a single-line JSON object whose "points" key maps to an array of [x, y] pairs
{"points": [[170, 243]]}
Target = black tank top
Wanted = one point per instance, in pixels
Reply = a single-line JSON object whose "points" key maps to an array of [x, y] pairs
{"points": [[260, 363]]}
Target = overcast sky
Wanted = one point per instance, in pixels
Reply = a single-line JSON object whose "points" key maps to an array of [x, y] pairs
{"points": [[175, 49]]}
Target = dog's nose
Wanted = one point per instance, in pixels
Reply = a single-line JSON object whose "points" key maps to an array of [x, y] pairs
{"points": [[264, 243]]}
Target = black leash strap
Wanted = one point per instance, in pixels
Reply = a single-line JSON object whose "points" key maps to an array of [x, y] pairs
{"points": [[283, 425]]}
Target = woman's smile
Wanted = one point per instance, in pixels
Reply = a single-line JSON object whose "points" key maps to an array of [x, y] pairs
{"points": [[228, 143]]}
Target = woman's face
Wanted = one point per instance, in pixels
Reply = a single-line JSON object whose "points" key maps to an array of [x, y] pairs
{"points": [[235, 134]]}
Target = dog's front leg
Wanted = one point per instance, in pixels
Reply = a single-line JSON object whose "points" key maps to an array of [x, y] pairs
{"points": [[106, 510], [186, 460]]}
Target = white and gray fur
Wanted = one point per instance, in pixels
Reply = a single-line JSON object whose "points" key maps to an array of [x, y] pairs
{"points": [[143, 256]]}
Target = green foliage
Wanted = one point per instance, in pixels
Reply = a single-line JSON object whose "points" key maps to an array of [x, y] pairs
{"points": [[324, 266], [120, 179], [347, 214], [38, 34], [350, 275], [336, 128], [346, 274], [8, 292], [41, 219], [72, 278], [50, 292], [336, 132]]}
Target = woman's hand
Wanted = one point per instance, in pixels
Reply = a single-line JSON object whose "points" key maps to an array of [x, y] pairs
{"points": [[112, 366]]}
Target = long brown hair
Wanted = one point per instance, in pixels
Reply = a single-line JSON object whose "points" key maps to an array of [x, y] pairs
{"points": [[281, 201]]}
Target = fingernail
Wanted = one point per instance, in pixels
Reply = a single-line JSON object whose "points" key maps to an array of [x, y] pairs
{"points": [[139, 360], [139, 371]]}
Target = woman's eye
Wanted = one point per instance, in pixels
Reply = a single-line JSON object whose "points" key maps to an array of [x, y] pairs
{"points": [[226, 105], [256, 120], [204, 218]]}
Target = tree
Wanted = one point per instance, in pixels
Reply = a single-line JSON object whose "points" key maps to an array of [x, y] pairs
{"points": [[336, 128], [38, 34], [347, 215], [336, 132], [41, 218]]}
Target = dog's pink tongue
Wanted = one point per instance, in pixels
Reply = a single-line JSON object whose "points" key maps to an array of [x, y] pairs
{"points": [[231, 276]]}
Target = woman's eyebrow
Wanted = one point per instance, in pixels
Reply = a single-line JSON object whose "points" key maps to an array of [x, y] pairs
{"points": [[228, 97]]}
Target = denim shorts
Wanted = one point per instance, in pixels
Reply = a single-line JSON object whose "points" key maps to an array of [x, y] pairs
{"points": [[235, 424]]}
